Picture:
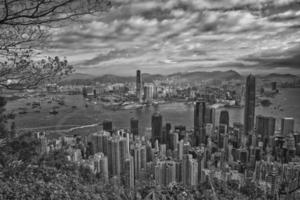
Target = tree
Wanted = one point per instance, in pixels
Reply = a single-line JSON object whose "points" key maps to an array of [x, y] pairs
{"points": [[24, 25], [3, 131]]}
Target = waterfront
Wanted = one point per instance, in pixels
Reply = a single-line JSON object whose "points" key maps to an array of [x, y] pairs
{"points": [[175, 113]]}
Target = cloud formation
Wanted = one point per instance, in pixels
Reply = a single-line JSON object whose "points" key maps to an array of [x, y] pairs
{"points": [[166, 36]]}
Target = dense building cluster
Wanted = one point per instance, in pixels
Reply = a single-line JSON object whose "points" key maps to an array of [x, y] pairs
{"points": [[254, 151]]}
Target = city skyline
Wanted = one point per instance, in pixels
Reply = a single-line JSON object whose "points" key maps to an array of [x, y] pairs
{"points": [[142, 100], [179, 36]]}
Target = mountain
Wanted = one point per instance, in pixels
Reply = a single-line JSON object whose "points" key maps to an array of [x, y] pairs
{"points": [[275, 75], [79, 76], [79, 79], [214, 75]]}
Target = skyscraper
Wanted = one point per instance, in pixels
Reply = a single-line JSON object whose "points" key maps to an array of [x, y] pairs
{"points": [[116, 158], [123, 153], [189, 170], [274, 86], [287, 126], [224, 117], [249, 111], [165, 172], [208, 115], [265, 126], [156, 124], [134, 126], [140, 159], [139, 85], [129, 172], [199, 122], [107, 125], [148, 93]]}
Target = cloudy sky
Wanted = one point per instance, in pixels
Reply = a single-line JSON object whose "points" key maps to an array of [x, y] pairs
{"points": [[167, 36]]}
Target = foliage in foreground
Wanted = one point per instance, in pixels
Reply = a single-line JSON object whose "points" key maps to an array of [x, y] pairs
{"points": [[26, 175]]}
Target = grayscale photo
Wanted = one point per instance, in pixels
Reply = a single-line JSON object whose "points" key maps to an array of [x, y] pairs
{"points": [[149, 99]]}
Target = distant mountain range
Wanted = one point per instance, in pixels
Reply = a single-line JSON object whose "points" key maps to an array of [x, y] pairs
{"points": [[275, 75], [79, 78]]}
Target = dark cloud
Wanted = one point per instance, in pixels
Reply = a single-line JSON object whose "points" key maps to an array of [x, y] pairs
{"points": [[114, 54], [277, 59], [182, 34]]}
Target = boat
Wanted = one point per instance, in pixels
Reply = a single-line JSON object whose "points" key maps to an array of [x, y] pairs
{"points": [[133, 106], [265, 102], [53, 112]]}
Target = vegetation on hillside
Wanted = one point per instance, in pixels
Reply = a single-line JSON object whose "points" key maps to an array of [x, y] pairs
{"points": [[26, 174]]}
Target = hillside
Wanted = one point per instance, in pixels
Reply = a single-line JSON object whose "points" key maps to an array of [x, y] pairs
{"points": [[85, 79], [190, 76]]}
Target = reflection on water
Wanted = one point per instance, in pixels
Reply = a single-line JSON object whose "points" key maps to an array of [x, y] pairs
{"points": [[182, 114], [175, 113]]}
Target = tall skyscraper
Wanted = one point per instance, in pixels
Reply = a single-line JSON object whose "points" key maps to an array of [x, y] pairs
{"points": [[140, 160], [199, 122], [107, 125], [101, 165], [287, 126], [189, 170], [222, 133], [265, 127], [139, 85], [156, 124], [134, 126], [224, 117], [129, 173], [123, 153], [165, 172], [213, 117], [148, 93], [208, 115], [99, 142], [249, 111], [116, 158], [274, 86]]}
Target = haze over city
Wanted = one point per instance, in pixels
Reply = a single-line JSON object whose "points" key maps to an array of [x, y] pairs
{"points": [[168, 36], [150, 100]]}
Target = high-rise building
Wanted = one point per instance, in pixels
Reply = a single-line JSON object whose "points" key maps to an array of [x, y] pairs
{"points": [[180, 150], [129, 172], [287, 126], [140, 159], [123, 153], [148, 92], [101, 165], [104, 168], [99, 142], [116, 158], [156, 124], [249, 111], [165, 173], [265, 127], [134, 126], [224, 117], [208, 115], [199, 122], [96, 143], [222, 133], [107, 125], [213, 117], [105, 137], [173, 140], [189, 170], [274, 86], [110, 156], [139, 85]]}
